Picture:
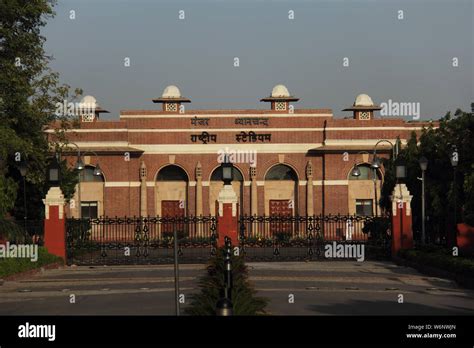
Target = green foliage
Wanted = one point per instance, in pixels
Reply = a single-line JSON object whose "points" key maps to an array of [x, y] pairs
{"points": [[436, 145], [29, 91], [243, 295], [13, 232], [440, 258], [9, 266]]}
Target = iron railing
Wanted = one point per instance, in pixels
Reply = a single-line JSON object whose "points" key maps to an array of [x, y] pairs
{"points": [[138, 240], [304, 237]]}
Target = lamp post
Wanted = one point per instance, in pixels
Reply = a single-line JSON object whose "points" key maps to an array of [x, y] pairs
{"points": [[23, 170], [423, 161], [400, 173], [80, 166], [224, 305], [374, 165], [227, 171], [54, 172], [454, 158]]}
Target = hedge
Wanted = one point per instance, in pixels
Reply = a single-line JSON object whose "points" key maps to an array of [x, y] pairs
{"points": [[442, 259], [10, 266]]}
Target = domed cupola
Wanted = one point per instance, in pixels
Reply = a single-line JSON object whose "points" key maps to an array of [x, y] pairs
{"points": [[89, 109], [363, 108], [280, 98], [171, 99]]}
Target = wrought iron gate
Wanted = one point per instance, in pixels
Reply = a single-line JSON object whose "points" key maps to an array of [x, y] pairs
{"points": [[279, 238], [150, 240], [136, 240]]}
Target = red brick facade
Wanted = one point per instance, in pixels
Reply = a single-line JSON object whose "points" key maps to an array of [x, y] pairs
{"points": [[160, 138]]}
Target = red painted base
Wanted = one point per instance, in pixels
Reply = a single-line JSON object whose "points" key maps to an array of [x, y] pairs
{"points": [[399, 240], [227, 226], [55, 233], [465, 239]]}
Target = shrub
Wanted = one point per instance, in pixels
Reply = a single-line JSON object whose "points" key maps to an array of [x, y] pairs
{"points": [[244, 300], [9, 266], [440, 258]]}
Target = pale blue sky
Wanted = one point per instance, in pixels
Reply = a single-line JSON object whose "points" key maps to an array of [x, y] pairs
{"points": [[406, 60]]}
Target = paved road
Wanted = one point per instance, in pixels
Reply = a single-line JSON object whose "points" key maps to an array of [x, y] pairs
{"points": [[318, 288]]}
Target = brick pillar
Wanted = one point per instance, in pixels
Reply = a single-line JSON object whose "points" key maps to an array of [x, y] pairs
{"points": [[55, 223], [227, 215], [402, 233]]}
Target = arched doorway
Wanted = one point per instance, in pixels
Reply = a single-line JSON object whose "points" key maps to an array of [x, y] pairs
{"points": [[216, 184], [171, 191], [281, 191]]}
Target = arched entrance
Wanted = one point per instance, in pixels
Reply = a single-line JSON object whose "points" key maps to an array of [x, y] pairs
{"points": [[171, 191], [281, 191]]}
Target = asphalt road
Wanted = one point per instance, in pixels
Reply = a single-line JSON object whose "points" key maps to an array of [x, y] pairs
{"points": [[318, 288]]}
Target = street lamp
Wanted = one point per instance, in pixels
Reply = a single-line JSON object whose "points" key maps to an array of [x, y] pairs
{"points": [[454, 158], [423, 161], [400, 173], [374, 165], [80, 166], [54, 172], [227, 171], [23, 170]]}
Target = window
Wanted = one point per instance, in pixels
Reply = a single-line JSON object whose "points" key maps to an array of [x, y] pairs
{"points": [[280, 106], [364, 207], [89, 210], [171, 107]]}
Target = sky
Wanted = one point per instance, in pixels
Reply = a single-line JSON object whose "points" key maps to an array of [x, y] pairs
{"points": [[407, 60]]}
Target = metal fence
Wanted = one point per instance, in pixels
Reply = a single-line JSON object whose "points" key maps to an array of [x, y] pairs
{"points": [[137, 240], [304, 237]]}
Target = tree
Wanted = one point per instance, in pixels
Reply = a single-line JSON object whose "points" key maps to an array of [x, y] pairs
{"points": [[29, 91], [436, 145]]}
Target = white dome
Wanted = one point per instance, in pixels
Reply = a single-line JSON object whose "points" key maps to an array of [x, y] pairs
{"points": [[171, 92], [89, 102], [363, 100], [280, 91]]}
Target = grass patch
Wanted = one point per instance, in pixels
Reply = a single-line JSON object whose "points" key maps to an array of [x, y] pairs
{"points": [[440, 258], [10, 266]]}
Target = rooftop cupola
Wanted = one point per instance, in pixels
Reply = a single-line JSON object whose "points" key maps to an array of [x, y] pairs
{"points": [[280, 99], [171, 99], [89, 109], [363, 108]]}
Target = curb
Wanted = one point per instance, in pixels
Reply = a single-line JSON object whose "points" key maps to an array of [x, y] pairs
{"points": [[462, 280], [30, 272]]}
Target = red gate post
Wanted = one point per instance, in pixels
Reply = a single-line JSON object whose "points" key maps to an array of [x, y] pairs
{"points": [[402, 232], [227, 216], [55, 222]]}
